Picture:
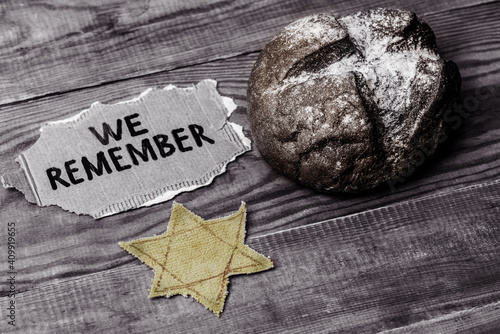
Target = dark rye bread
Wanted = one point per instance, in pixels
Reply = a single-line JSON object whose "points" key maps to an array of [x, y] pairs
{"points": [[343, 105]]}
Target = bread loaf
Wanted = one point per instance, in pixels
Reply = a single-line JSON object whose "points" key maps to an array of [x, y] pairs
{"points": [[343, 105]]}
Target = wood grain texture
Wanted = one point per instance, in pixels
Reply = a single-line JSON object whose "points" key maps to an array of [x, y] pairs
{"points": [[376, 270], [470, 156], [57, 57], [249, 179], [484, 319], [54, 46]]}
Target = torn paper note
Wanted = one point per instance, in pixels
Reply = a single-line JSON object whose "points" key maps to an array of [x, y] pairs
{"points": [[113, 158]]}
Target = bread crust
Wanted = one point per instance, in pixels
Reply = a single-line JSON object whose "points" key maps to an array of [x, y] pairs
{"points": [[343, 105]]}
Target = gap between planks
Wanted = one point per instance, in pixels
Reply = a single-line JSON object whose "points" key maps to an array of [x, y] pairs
{"points": [[402, 203], [125, 79], [455, 322]]}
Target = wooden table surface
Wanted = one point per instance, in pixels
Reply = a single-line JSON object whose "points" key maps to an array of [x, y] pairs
{"points": [[422, 256]]}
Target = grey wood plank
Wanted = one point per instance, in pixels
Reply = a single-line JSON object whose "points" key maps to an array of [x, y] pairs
{"points": [[376, 270], [53, 46]]}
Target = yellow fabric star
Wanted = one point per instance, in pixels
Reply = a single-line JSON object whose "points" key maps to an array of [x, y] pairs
{"points": [[195, 256]]}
